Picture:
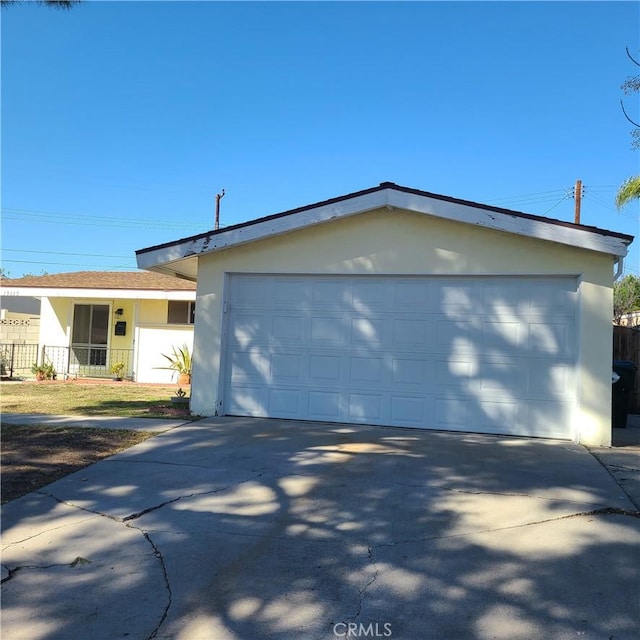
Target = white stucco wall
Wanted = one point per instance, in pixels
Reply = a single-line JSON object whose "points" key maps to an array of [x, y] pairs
{"points": [[55, 319], [401, 243], [153, 341]]}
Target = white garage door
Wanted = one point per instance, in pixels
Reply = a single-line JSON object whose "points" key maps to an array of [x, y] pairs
{"points": [[492, 355]]}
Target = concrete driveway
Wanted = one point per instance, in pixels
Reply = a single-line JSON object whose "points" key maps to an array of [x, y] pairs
{"points": [[261, 529]]}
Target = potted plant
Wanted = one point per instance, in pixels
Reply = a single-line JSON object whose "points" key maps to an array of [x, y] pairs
{"points": [[180, 399], [180, 362], [116, 369], [44, 371]]}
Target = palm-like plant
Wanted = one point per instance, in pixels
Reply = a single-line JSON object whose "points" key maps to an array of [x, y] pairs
{"points": [[55, 4], [630, 190], [179, 360]]}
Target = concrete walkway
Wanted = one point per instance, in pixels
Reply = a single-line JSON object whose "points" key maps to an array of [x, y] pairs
{"points": [[154, 425], [231, 529], [622, 460]]}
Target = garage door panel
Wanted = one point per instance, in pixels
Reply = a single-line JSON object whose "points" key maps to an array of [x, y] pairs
{"points": [[550, 339], [492, 412], [454, 374], [248, 400], [504, 299], [331, 294], [369, 332], [452, 412], [250, 366], [412, 334], [364, 407], [456, 337], [548, 419], [366, 370], [288, 329], [250, 329], [549, 378], [412, 373], [292, 293], [431, 352], [325, 369], [329, 331], [553, 296], [286, 367], [285, 403], [505, 335], [251, 292], [325, 405], [457, 297], [369, 297], [497, 377], [411, 411], [416, 294]]}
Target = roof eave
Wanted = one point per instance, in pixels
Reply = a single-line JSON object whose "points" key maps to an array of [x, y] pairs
{"points": [[91, 293], [391, 197]]}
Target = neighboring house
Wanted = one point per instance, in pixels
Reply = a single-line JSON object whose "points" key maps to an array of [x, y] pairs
{"points": [[19, 318], [19, 332], [91, 319], [395, 306], [631, 319]]}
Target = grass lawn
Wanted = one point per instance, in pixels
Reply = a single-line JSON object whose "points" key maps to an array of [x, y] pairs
{"points": [[95, 398], [36, 455]]}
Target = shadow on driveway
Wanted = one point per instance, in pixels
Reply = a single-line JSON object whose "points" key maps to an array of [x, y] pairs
{"points": [[264, 529]]}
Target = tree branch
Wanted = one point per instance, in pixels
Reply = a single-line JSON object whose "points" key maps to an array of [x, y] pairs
{"points": [[631, 57], [626, 115]]}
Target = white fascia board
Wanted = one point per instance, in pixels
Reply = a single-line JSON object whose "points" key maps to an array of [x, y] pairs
{"points": [[571, 236], [122, 294], [390, 198], [261, 230]]}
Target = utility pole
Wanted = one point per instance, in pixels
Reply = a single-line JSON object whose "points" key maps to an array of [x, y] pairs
{"points": [[577, 194], [219, 197]]}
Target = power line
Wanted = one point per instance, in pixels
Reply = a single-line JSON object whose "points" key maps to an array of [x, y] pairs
{"points": [[94, 220], [566, 197], [65, 253], [600, 201], [70, 264], [121, 224], [529, 195]]}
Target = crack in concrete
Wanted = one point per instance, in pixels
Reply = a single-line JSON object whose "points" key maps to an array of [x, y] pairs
{"points": [[74, 563], [502, 493], [139, 514], [127, 521], [164, 462], [35, 535], [77, 506], [362, 591], [595, 512], [158, 555], [512, 495], [156, 551], [621, 467]]}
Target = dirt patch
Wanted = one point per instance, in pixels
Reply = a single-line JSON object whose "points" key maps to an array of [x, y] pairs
{"points": [[167, 411], [36, 455]]}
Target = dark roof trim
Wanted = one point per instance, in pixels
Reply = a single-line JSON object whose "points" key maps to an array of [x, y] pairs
{"points": [[382, 186]]}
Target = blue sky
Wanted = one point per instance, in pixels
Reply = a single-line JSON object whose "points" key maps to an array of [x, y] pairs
{"points": [[122, 120]]}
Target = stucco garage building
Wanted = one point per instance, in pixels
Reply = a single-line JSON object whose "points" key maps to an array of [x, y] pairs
{"points": [[400, 307]]}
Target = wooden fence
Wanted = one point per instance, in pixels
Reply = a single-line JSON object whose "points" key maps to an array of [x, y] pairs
{"points": [[626, 346]]}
